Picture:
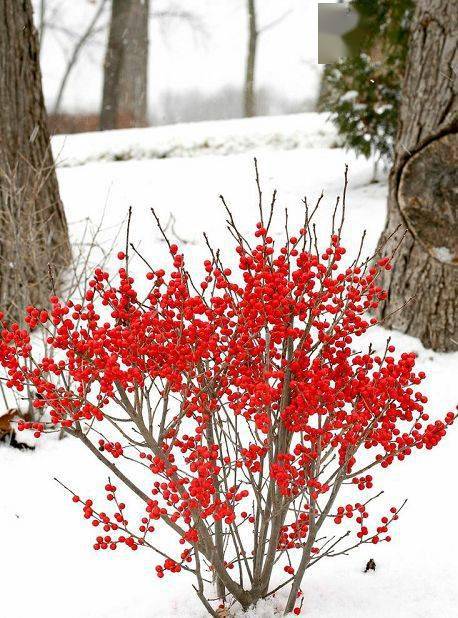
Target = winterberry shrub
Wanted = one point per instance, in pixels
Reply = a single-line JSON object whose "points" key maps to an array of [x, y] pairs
{"points": [[243, 402]]}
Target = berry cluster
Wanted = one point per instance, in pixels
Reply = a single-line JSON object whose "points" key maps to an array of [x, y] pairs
{"points": [[242, 399]]}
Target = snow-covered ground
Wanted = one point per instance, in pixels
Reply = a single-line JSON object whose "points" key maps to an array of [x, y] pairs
{"points": [[47, 566], [309, 130]]}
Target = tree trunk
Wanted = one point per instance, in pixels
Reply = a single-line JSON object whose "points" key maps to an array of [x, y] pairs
{"points": [[33, 228], [125, 88], [423, 199], [249, 95]]}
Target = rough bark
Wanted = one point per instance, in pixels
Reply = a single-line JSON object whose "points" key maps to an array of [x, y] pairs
{"points": [[33, 228], [249, 103], [125, 88], [423, 197]]}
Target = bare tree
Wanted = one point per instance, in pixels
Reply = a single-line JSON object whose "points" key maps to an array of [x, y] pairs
{"points": [[249, 100], [125, 88], [75, 53], [249, 103], [41, 22], [27, 173], [423, 197]]}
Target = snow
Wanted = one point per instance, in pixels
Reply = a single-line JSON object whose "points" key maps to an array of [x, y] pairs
{"points": [[309, 130], [48, 567], [349, 96], [443, 254]]}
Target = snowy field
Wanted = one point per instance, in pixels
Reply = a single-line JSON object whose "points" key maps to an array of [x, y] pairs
{"points": [[47, 565], [192, 139]]}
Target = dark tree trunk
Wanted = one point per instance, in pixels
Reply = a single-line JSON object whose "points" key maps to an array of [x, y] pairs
{"points": [[423, 197], [249, 93], [125, 88], [33, 229]]}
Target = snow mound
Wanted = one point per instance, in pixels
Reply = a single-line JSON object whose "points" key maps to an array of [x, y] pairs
{"points": [[265, 608], [308, 130]]}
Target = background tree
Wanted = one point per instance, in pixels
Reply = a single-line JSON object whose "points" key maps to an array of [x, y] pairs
{"points": [[125, 87], [76, 50], [249, 96], [41, 21], [422, 188], [32, 220]]}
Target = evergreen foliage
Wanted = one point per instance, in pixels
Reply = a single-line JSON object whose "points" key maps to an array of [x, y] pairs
{"points": [[363, 91]]}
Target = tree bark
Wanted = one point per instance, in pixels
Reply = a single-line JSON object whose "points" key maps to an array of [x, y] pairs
{"points": [[423, 198], [33, 228], [249, 94], [125, 88]]}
